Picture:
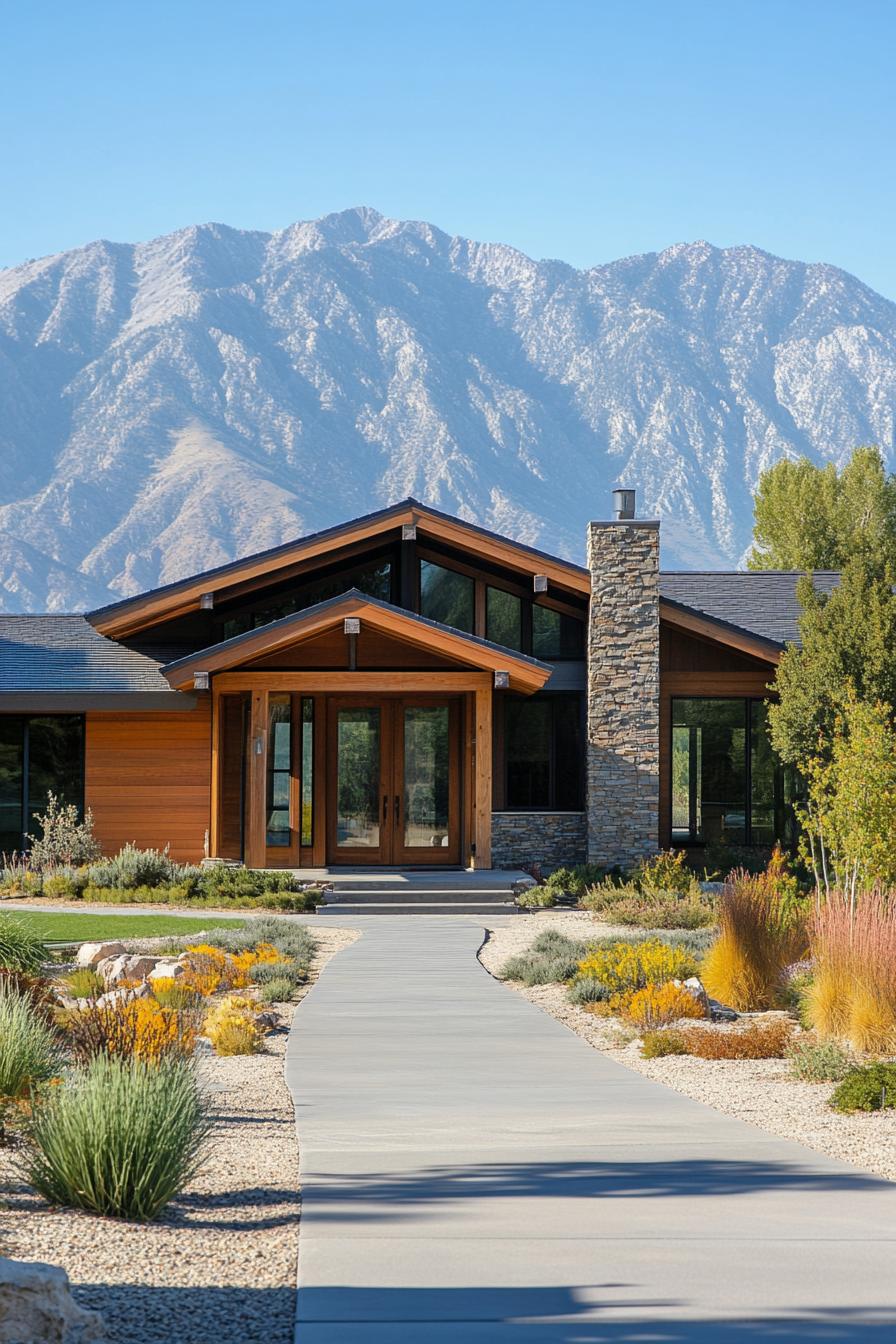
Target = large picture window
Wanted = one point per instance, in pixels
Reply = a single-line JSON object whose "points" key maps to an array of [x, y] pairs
{"points": [[543, 753], [37, 756], [728, 786], [446, 596]]}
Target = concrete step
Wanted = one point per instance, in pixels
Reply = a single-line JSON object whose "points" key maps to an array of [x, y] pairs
{"points": [[418, 896], [404, 907]]}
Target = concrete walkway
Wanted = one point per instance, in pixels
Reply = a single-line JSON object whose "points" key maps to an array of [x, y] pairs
{"points": [[472, 1171]]}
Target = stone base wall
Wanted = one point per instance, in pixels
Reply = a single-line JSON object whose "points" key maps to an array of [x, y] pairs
{"points": [[550, 839]]}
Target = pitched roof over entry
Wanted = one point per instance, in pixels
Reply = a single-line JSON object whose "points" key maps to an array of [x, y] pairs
{"points": [[525, 674]]}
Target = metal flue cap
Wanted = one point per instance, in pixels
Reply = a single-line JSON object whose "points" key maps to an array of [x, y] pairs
{"points": [[624, 504]]}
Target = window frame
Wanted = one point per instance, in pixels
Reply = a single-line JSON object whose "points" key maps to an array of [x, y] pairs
{"points": [[692, 842], [24, 790], [500, 763]]}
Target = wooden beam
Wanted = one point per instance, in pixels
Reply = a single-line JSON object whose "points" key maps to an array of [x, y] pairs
{"points": [[256, 821], [482, 792], [215, 792], [361, 682]]}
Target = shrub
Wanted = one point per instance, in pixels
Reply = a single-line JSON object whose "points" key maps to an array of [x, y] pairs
{"points": [[624, 966], [29, 1048], [231, 1027], [210, 969], [625, 903], [132, 867], [869, 1088], [84, 983], [759, 1040], [263, 972], [853, 989], [21, 949], [658, 1044], [133, 1029], [65, 840], [696, 942], [536, 898], [279, 990], [18, 878], [291, 939], [173, 993], [121, 1138], [658, 1005], [65, 884], [551, 959], [574, 881], [720, 859], [263, 954], [760, 935], [586, 989], [818, 1061], [666, 873]]}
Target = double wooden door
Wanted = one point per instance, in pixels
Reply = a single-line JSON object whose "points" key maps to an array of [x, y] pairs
{"points": [[393, 780]]}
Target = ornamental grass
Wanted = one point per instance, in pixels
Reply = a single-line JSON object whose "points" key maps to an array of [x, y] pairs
{"points": [[761, 933], [21, 949], [852, 995], [120, 1138], [30, 1051]]}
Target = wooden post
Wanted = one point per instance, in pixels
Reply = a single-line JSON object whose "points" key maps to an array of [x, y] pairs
{"points": [[482, 792], [258, 779], [214, 830]]}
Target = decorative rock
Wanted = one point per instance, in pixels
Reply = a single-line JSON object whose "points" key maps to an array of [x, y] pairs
{"points": [[694, 986], [719, 1013], [125, 967], [36, 1303], [90, 954], [167, 970], [267, 1020], [124, 995]]}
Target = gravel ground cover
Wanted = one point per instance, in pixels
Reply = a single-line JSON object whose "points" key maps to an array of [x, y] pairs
{"points": [[220, 1264], [760, 1092]]}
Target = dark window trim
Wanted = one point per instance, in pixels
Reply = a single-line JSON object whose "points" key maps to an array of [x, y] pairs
{"points": [[692, 842]]}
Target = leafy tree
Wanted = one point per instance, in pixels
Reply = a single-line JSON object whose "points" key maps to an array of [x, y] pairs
{"points": [[849, 821], [809, 517], [848, 647]]}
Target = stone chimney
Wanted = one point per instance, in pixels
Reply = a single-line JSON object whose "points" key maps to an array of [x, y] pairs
{"points": [[623, 689]]}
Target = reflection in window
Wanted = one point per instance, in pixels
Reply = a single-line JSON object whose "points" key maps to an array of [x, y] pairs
{"points": [[374, 579], [556, 635], [51, 749], [446, 596], [728, 786], [503, 618], [542, 752], [307, 837], [279, 768]]}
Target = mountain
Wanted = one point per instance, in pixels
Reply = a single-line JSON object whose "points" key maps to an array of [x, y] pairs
{"points": [[167, 406]]}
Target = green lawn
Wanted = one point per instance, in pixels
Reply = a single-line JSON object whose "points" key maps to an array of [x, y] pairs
{"points": [[83, 928]]}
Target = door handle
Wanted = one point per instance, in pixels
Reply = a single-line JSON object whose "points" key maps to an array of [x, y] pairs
{"points": [[385, 807], [397, 807]]}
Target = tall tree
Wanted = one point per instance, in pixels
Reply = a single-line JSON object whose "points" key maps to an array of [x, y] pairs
{"points": [[808, 517]]}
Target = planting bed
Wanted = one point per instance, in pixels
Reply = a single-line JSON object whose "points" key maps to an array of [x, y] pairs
{"points": [[220, 1263], [760, 1092]]}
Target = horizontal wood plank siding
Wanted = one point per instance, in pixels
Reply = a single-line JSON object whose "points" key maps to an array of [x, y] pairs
{"points": [[148, 780]]}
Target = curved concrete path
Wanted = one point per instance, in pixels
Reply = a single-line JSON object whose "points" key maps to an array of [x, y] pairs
{"points": [[472, 1171]]}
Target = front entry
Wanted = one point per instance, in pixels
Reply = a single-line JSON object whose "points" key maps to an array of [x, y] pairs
{"points": [[393, 780]]}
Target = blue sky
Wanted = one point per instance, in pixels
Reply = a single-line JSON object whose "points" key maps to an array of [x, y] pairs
{"points": [[585, 131]]}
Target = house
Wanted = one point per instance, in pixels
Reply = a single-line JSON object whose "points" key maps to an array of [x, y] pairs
{"points": [[408, 689]]}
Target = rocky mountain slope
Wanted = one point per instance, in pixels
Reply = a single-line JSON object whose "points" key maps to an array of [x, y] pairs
{"points": [[169, 405]]}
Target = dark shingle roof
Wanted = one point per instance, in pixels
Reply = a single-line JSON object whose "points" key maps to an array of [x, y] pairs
{"points": [[66, 654], [762, 602]]}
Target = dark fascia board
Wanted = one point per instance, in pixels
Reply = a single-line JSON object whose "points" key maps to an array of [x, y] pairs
{"points": [[352, 595], [77, 702], [213, 576], [773, 646]]}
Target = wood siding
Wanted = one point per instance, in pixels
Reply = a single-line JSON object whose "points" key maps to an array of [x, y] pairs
{"points": [[148, 780]]}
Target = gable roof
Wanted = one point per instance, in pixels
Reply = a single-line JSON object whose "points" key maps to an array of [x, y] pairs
{"points": [[51, 661], [761, 604], [133, 613], [526, 674]]}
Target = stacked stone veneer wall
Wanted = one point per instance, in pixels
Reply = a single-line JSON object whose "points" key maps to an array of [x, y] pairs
{"points": [[623, 692], [550, 839]]}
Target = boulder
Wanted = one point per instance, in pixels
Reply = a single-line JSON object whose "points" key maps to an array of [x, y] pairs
{"points": [[267, 1021], [90, 954], [167, 969], [694, 986], [128, 966], [124, 995], [36, 1303]]}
